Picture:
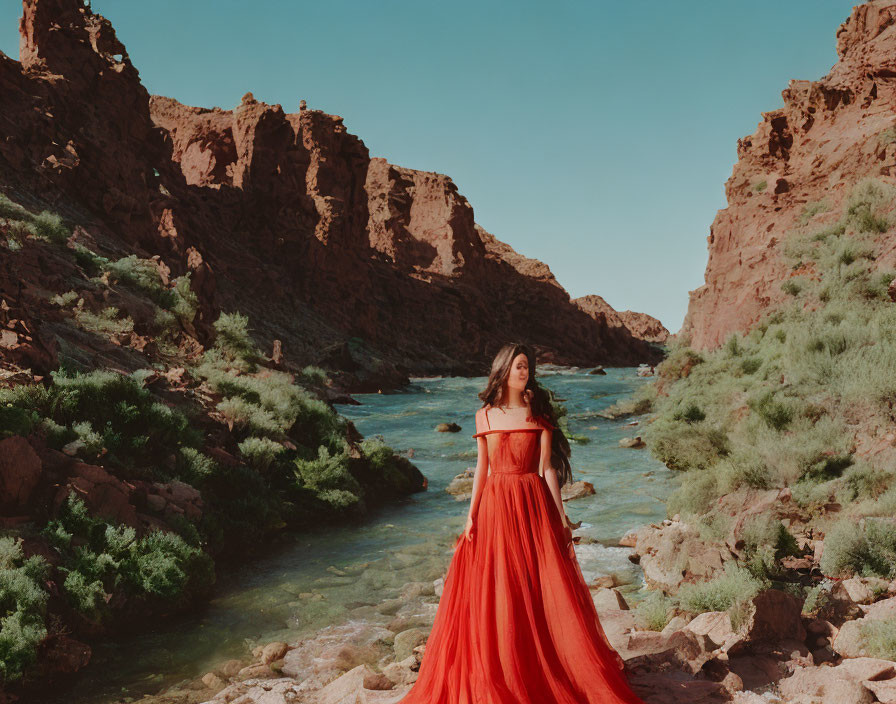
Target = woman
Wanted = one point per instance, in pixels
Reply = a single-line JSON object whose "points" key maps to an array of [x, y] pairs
{"points": [[516, 623]]}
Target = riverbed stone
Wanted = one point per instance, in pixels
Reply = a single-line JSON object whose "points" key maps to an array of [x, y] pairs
{"points": [[404, 671], [415, 589], [390, 606], [213, 682], [273, 651], [403, 623], [576, 490], [608, 599], [257, 670], [406, 641], [825, 685], [231, 668]]}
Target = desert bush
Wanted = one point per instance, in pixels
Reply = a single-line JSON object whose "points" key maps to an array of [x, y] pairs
{"points": [[233, 339], [863, 206], [11, 210], [50, 227], [766, 541], [866, 547], [683, 445], [260, 453], [386, 471], [328, 477], [106, 322], [813, 208], [23, 603], [878, 638], [675, 365], [737, 584], [108, 410], [653, 611], [99, 558]]}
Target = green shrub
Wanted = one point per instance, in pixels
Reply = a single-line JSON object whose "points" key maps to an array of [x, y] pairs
{"points": [[106, 322], [878, 638], [260, 453], [108, 410], [863, 205], [760, 186], [653, 611], [737, 584], [49, 226], [143, 276], [329, 478], [813, 208], [673, 367], [23, 603], [186, 302], [388, 470], [791, 287], [866, 548], [691, 414], [233, 338], [682, 445], [766, 541], [111, 558], [776, 412], [11, 210]]}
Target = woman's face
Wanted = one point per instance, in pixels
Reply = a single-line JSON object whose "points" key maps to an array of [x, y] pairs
{"points": [[519, 373]]}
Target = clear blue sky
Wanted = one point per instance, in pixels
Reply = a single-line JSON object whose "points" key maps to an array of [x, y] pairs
{"points": [[594, 136]]}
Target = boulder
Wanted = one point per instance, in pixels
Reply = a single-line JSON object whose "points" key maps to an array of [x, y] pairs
{"points": [[105, 495], [607, 599], [674, 553], [715, 625], [775, 616], [849, 642], [20, 472]]}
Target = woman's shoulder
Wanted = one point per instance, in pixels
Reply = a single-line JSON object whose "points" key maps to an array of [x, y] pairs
{"points": [[541, 420]]}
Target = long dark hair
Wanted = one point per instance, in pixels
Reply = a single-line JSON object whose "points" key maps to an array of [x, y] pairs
{"points": [[539, 402]]}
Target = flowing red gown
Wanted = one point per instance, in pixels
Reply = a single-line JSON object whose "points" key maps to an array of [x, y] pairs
{"points": [[516, 623]]}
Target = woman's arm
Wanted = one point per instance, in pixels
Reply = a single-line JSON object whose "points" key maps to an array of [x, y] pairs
{"points": [[550, 476], [481, 473]]}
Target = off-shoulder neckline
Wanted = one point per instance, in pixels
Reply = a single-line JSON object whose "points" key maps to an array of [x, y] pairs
{"points": [[505, 430], [542, 424]]}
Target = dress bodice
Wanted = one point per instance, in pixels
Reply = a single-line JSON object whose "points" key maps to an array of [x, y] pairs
{"points": [[514, 450]]}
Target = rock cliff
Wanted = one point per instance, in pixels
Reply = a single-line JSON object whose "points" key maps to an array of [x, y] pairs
{"points": [[799, 166], [368, 269], [641, 325]]}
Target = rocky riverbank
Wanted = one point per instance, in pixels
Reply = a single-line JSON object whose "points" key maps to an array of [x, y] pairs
{"points": [[776, 654]]}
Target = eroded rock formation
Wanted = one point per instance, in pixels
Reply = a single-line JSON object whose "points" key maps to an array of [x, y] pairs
{"points": [[352, 263], [799, 165]]}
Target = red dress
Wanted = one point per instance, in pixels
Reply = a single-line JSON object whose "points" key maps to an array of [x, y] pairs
{"points": [[516, 623]]}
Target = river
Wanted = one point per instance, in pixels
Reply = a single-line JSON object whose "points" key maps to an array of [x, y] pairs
{"points": [[267, 598]]}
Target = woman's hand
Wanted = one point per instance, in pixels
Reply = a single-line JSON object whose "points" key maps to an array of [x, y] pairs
{"points": [[468, 530], [567, 536]]}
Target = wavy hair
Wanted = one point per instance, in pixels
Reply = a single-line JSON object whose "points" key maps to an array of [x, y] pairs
{"points": [[539, 400]]}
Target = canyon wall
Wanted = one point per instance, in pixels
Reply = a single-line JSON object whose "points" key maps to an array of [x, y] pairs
{"points": [[351, 262], [797, 170]]}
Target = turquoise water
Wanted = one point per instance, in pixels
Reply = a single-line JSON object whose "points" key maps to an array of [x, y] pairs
{"points": [[321, 577]]}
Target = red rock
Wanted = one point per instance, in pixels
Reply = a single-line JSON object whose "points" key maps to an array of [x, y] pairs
{"points": [[776, 616], [284, 207], [640, 325], [824, 139], [20, 472], [103, 494], [61, 654]]}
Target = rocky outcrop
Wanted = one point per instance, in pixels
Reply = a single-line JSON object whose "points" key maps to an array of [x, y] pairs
{"points": [[797, 168], [354, 264], [640, 325]]}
